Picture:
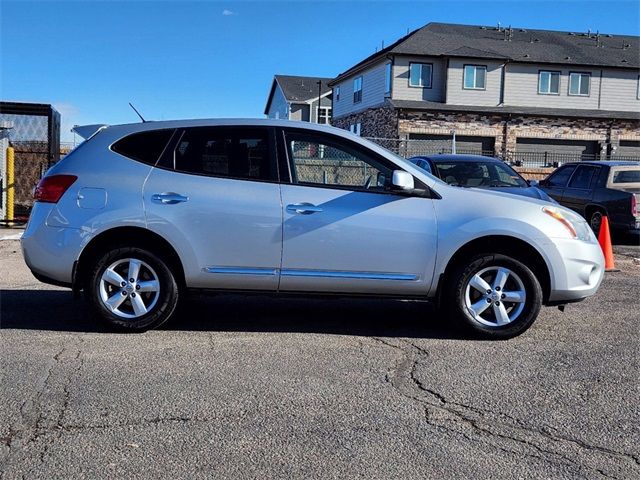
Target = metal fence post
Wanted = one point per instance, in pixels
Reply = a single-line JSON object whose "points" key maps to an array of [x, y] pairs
{"points": [[11, 187]]}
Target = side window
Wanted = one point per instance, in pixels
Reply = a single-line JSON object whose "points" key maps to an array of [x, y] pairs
{"points": [[475, 77], [579, 84], [357, 89], [561, 176], [320, 160], [582, 177], [549, 83], [225, 152], [144, 147]]}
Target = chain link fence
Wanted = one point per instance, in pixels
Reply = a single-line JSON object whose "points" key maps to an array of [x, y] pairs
{"points": [[416, 147], [32, 161], [323, 164]]}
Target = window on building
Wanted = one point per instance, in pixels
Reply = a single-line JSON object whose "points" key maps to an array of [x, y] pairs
{"points": [[225, 152], [387, 78], [549, 83], [337, 93], [420, 75], [475, 77], [357, 89], [324, 115], [579, 84]]}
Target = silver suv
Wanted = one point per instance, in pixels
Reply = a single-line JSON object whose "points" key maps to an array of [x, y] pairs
{"points": [[139, 214]]}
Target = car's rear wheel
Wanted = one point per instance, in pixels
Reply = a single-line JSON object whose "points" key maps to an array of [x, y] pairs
{"points": [[494, 296], [132, 289]]}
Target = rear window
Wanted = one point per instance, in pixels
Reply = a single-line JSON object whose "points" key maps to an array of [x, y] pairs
{"points": [[145, 147], [582, 177], [626, 176], [560, 177], [243, 153]]}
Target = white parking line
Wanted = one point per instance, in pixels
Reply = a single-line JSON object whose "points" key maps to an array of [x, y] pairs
{"points": [[13, 236]]}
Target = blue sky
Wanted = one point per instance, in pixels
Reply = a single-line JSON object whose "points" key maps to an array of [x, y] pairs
{"points": [[217, 59]]}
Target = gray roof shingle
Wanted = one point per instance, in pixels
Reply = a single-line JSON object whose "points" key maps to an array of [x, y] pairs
{"points": [[517, 45], [301, 88]]}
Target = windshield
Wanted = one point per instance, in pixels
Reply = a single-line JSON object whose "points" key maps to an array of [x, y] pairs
{"points": [[413, 165], [479, 174]]}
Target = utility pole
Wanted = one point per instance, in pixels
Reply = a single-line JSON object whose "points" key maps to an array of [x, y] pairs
{"points": [[319, 95]]}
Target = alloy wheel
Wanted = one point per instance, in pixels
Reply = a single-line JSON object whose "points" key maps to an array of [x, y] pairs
{"points": [[495, 296], [129, 288]]}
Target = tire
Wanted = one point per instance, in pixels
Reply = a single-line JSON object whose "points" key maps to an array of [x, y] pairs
{"points": [[492, 315], [595, 220], [147, 302]]}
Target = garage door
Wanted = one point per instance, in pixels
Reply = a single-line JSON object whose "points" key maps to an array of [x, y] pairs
{"points": [[420, 144], [628, 149], [544, 151]]}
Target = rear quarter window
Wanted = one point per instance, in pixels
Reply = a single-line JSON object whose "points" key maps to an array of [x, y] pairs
{"points": [[626, 176], [145, 147]]}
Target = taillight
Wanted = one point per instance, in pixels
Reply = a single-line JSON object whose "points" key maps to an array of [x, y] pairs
{"points": [[634, 206], [50, 189]]}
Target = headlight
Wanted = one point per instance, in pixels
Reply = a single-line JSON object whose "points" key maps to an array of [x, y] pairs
{"points": [[577, 227]]}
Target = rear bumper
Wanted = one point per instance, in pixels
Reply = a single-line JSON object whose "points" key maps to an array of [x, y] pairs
{"points": [[50, 252], [577, 271]]}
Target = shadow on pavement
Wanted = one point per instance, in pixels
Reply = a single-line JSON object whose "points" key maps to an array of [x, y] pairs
{"points": [[56, 310], [625, 239]]}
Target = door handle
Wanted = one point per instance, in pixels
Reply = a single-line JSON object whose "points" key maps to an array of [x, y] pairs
{"points": [[168, 198], [303, 208]]}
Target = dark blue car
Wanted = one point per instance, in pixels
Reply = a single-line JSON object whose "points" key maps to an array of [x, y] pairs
{"points": [[480, 172]]}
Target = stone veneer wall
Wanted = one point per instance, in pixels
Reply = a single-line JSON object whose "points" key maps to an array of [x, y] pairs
{"points": [[379, 122], [506, 129], [441, 123], [387, 122]]}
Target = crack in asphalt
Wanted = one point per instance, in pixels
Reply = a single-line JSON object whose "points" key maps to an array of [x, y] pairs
{"points": [[144, 422], [79, 360], [476, 424], [31, 425], [30, 410]]}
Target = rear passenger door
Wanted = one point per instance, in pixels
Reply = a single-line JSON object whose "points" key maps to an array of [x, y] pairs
{"points": [[215, 197], [579, 190], [555, 184]]}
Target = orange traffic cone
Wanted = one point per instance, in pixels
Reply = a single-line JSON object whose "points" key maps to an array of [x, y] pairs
{"points": [[604, 239]]}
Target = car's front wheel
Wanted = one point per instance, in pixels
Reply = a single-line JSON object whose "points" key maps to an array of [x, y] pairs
{"points": [[494, 296], [132, 289], [595, 221]]}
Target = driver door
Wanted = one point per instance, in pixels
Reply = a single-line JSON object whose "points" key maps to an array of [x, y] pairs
{"points": [[344, 230]]}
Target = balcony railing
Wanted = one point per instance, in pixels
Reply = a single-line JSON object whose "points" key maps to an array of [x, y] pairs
{"points": [[553, 159]]}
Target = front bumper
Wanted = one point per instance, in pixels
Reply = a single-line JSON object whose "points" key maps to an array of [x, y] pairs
{"points": [[577, 270]]}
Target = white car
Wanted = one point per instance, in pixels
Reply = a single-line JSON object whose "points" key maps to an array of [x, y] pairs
{"points": [[139, 213]]}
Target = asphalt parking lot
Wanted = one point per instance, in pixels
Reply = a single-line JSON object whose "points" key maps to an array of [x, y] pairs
{"points": [[256, 387]]}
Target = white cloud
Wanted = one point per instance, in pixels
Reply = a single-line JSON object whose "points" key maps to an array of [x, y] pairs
{"points": [[227, 13]]}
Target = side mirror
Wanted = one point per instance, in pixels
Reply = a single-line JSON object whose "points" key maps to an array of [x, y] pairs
{"points": [[402, 180], [534, 183]]}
